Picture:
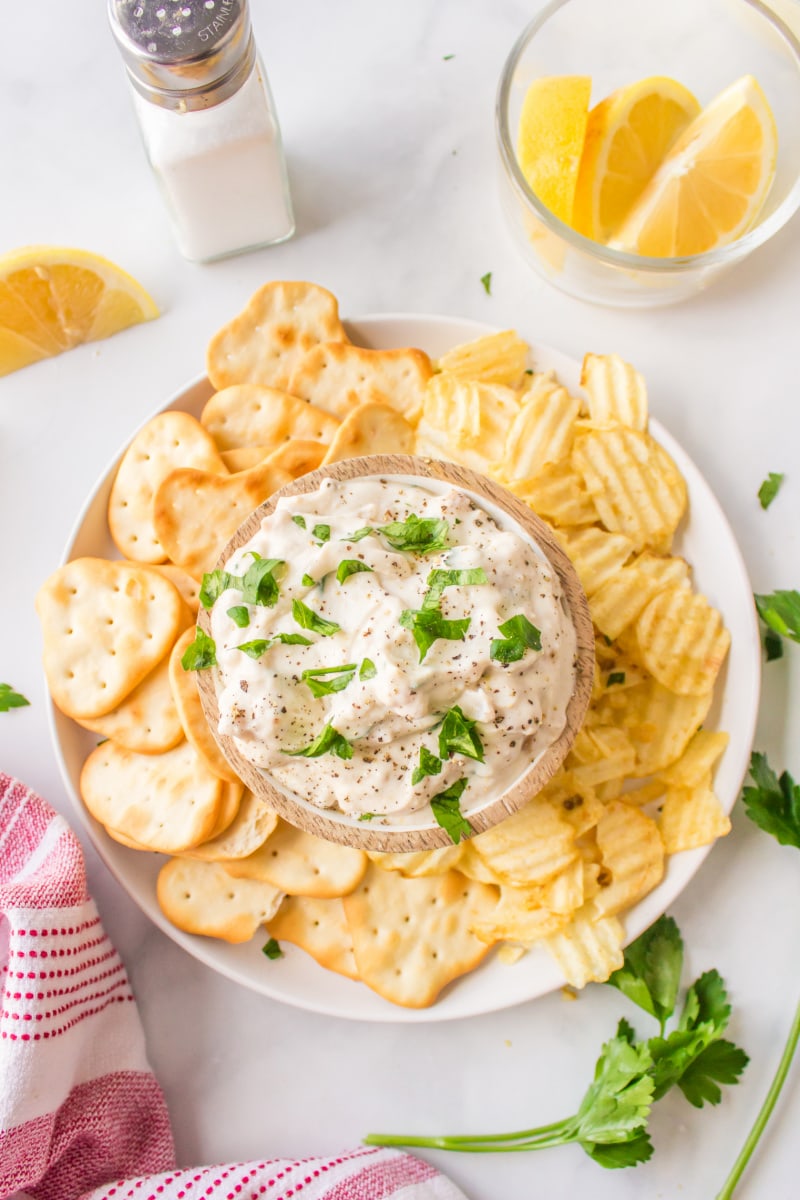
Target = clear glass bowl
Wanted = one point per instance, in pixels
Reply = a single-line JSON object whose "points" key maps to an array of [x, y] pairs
{"points": [[705, 45]]}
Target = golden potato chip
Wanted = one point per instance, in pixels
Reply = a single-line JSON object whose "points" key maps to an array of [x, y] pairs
{"points": [[371, 429], [495, 358], [616, 392], [618, 601], [200, 897], [698, 759], [659, 723], [196, 513], [302, 865], [596, 555], [267, 340], [190, 710], [247, 414], [690, 817], [563, 894], [632, 854], [519, 917], [147, 720], [250, 828], [683, 641], [600, 753], [169, 440], [166, 802], [320, 928], [541, 433], [421, 862], [468, 420], [634, 483], [558, 494], [105, 626], [666, 568], [529, 847], [588, 950], [338, 377], [411, 937]]}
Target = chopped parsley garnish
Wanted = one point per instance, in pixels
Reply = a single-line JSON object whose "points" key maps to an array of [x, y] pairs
{"points": [[272, 949], [258, 585], [322, 533], [770, 488], [773, 645], [459, 735], [440, 579], [428, 625], [429, 764], [416, 535], [446, 810], [350, 566], [307, 619], [615, 677], [298, 520], [10, 699], [780, 612], [367, 670], [240, 615], [307, 581], [200, 654], [366, 816], [486, 280], [260, 646], [328, 741], [319, 685], [519, 635], [447, 57]]}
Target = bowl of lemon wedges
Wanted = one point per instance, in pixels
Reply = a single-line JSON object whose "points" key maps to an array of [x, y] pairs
{"points": [[645, 146]]}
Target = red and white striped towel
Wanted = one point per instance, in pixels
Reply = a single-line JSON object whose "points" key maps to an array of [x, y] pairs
{"points": [[81, 1114]]}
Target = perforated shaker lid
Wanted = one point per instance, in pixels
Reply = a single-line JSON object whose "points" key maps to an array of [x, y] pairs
{"points": [[184, 54]]}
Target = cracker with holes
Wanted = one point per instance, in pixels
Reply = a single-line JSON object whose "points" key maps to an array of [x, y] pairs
{"points": [[188, 587], [371, 429], [166, 802], [411, 937], [298, 456], [190, 711], [320, 928], [267, 340], [105, 626], [147, 721], [338, 377], [249, 415], [302, 865], [195, 512], [250, 828], [169, 440], [201, 897]]}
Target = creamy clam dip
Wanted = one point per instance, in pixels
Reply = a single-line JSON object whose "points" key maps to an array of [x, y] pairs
{"points": [[383, 645]]}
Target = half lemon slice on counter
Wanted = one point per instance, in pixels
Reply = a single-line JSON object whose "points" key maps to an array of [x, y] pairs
{"points": [[627, 137], [52, 299], [710, 188]]}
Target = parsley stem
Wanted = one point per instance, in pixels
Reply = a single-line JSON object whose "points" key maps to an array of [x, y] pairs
{"points": [[557, 1134], [766, 1110]]}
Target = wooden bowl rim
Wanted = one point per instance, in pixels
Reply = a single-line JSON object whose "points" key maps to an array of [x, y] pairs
{"points": [[347, 830]]}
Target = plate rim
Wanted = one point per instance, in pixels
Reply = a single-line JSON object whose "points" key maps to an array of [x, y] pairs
{"points": [[202, 949]]}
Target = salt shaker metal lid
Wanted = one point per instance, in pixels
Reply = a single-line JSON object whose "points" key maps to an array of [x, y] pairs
{"points": [[184, 54]]}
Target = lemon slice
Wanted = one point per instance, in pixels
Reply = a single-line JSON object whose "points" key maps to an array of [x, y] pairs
{"points": [[627, 136], [552, 127], [711, 186], [53, 298]]}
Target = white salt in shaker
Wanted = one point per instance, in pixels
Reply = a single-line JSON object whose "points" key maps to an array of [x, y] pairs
{"points": [[208, 122]]}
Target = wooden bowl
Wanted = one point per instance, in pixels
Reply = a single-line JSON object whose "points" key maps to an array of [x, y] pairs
{"points": [[506, 509]]}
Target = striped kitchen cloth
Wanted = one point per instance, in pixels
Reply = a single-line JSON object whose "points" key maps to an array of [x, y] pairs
{"points": [[82, 1116]]}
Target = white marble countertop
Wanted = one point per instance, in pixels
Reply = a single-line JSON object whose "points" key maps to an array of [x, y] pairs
{"points": [[391, 155]]}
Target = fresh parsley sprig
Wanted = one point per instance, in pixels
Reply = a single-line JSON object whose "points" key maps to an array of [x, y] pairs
{"points": [[631, 1075], [458, 734], [319, 684], [780, 612], [415, 535], [260, 646], [773, 803], [519, 636], [200, 654], [307, 619], [350, 566], [327, 741], [429, 764], [428, 625], [10, 699], [446, 808], [258, 585]]}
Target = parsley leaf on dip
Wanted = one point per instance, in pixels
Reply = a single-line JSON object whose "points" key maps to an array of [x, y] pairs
{"points": [[459, 735], [200, 654], [428, 625], [519, 635], [308, 619], [328, 741], [350, 566], [319, 685], [429, 764], [446, 810]]}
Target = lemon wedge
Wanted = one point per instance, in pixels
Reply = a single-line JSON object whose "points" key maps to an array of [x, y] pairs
{"points": [[710, 188], [52, 299], [552, 128], [627, 136]]}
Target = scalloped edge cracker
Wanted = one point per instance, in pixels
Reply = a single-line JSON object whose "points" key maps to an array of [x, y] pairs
{"points": [[338, 377], [201, 898]]}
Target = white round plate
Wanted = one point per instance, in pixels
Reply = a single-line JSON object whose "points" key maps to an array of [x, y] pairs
{"points": [[705, 539]]}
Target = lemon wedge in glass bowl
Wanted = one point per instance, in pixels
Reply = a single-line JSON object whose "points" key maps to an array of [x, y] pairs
{"points": [[53, 298]]}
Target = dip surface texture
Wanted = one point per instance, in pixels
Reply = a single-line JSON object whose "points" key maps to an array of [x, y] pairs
{"points": [[376, 674]]}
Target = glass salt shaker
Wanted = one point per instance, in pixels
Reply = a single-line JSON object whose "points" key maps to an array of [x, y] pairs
{"points": [[208, 122]]}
